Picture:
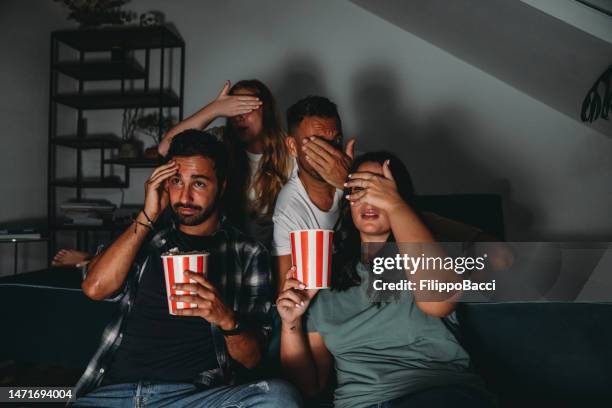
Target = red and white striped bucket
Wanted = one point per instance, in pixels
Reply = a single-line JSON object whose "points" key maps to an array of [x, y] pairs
{"points": [[311, 253], [174, 266]]}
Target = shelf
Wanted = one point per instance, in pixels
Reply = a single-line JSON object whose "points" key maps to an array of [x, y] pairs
{"points": [[126, 37], [118, 100], [126, 55], [22, 240], [93, 141], [58, 226], [140, 162], [102, 70], [90, 182]]}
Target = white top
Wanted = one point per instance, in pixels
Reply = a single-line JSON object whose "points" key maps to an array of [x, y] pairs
{"points": [[295, 211], [254, 159]]}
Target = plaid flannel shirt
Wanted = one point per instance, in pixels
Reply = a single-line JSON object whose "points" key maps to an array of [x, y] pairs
{"points": [[245, 286]]}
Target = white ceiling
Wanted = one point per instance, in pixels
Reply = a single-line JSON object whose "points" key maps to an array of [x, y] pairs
{"points": [[580, 15], [536, 48]]}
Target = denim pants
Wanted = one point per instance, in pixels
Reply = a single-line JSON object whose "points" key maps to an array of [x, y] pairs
{"points": [[270, 393], [452, 396]]}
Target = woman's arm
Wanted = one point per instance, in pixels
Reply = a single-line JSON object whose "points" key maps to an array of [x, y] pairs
{"points": [[406, 226], [224, 105], [305, 360]]}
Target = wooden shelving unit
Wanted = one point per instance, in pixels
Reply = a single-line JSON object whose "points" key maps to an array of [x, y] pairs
{"points": [[121, 41]]}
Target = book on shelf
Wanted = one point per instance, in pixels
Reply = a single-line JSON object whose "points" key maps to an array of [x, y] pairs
{"points": [[85, 219], [7, 237], [19, 233], [88, 205]]}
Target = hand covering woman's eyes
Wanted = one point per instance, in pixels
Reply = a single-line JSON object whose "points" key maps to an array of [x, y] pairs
{"points": [[352, 190]]}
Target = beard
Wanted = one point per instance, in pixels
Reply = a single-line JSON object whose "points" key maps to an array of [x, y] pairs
{"points": [[198, 218]]}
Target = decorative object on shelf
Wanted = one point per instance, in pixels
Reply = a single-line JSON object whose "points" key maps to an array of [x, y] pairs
{"points": [[151, 18], [151, 125], [130, 147], [596, 105], [94, 13], [151, 153]]}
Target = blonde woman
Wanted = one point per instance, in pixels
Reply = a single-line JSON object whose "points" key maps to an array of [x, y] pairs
{"points": [[259, 161]]}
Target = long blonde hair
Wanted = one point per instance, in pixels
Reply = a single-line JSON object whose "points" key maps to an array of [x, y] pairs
{"points": [[276, 163]]}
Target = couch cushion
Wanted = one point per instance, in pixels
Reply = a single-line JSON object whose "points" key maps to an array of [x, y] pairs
{"points": [[534, 351], [52, 321]]}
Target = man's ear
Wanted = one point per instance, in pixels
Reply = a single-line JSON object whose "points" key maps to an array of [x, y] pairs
{"points": [[291, 145]]}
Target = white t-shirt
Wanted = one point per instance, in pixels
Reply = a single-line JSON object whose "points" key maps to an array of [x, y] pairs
{"points": [[254, 159], [294, 211]]}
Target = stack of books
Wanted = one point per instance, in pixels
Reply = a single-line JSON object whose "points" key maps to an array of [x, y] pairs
{"points": [[88, 212]]}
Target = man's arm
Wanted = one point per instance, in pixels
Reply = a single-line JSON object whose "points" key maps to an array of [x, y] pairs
{"points": [[247, 347], [224, 105], [255, 301], [107, 271], [255, 307], [281, 244]]}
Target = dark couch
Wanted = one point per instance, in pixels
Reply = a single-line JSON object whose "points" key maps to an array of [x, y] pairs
{"points": [[557, 354], [530, 354]]}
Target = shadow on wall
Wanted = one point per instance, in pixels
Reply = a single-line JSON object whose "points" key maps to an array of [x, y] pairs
{"points": [[299, 77], [380, 122], [439, 161]]}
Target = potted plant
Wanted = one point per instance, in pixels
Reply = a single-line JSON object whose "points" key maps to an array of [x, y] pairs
{"points": [[130, 147], [94, 13], [149, 125]]}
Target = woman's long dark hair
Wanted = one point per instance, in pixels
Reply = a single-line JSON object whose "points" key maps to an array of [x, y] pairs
{"points": [[274, 168], [347, 240]]}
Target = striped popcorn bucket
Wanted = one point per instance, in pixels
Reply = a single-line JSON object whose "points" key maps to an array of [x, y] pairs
{"points": [[311, 253], [174, 266]]}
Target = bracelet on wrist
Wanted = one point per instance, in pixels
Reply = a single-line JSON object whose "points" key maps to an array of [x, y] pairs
{"points": [[137, 223], [149, 221]]}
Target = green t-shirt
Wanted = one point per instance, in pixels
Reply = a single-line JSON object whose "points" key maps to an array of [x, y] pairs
{"points": [[384, 351]]}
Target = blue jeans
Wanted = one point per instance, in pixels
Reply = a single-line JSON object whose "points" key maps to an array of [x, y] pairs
{"points": [[270, 393], [454, 396]]}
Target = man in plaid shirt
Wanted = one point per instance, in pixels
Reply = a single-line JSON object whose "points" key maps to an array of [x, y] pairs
{"points": [[151, 358]]}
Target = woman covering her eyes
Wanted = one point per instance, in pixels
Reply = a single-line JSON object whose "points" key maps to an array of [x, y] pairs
{"points": [[398, 354], [259, 161]]}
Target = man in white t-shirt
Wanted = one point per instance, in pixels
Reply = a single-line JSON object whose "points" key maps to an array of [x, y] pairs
{"points": [[311, 197]]}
